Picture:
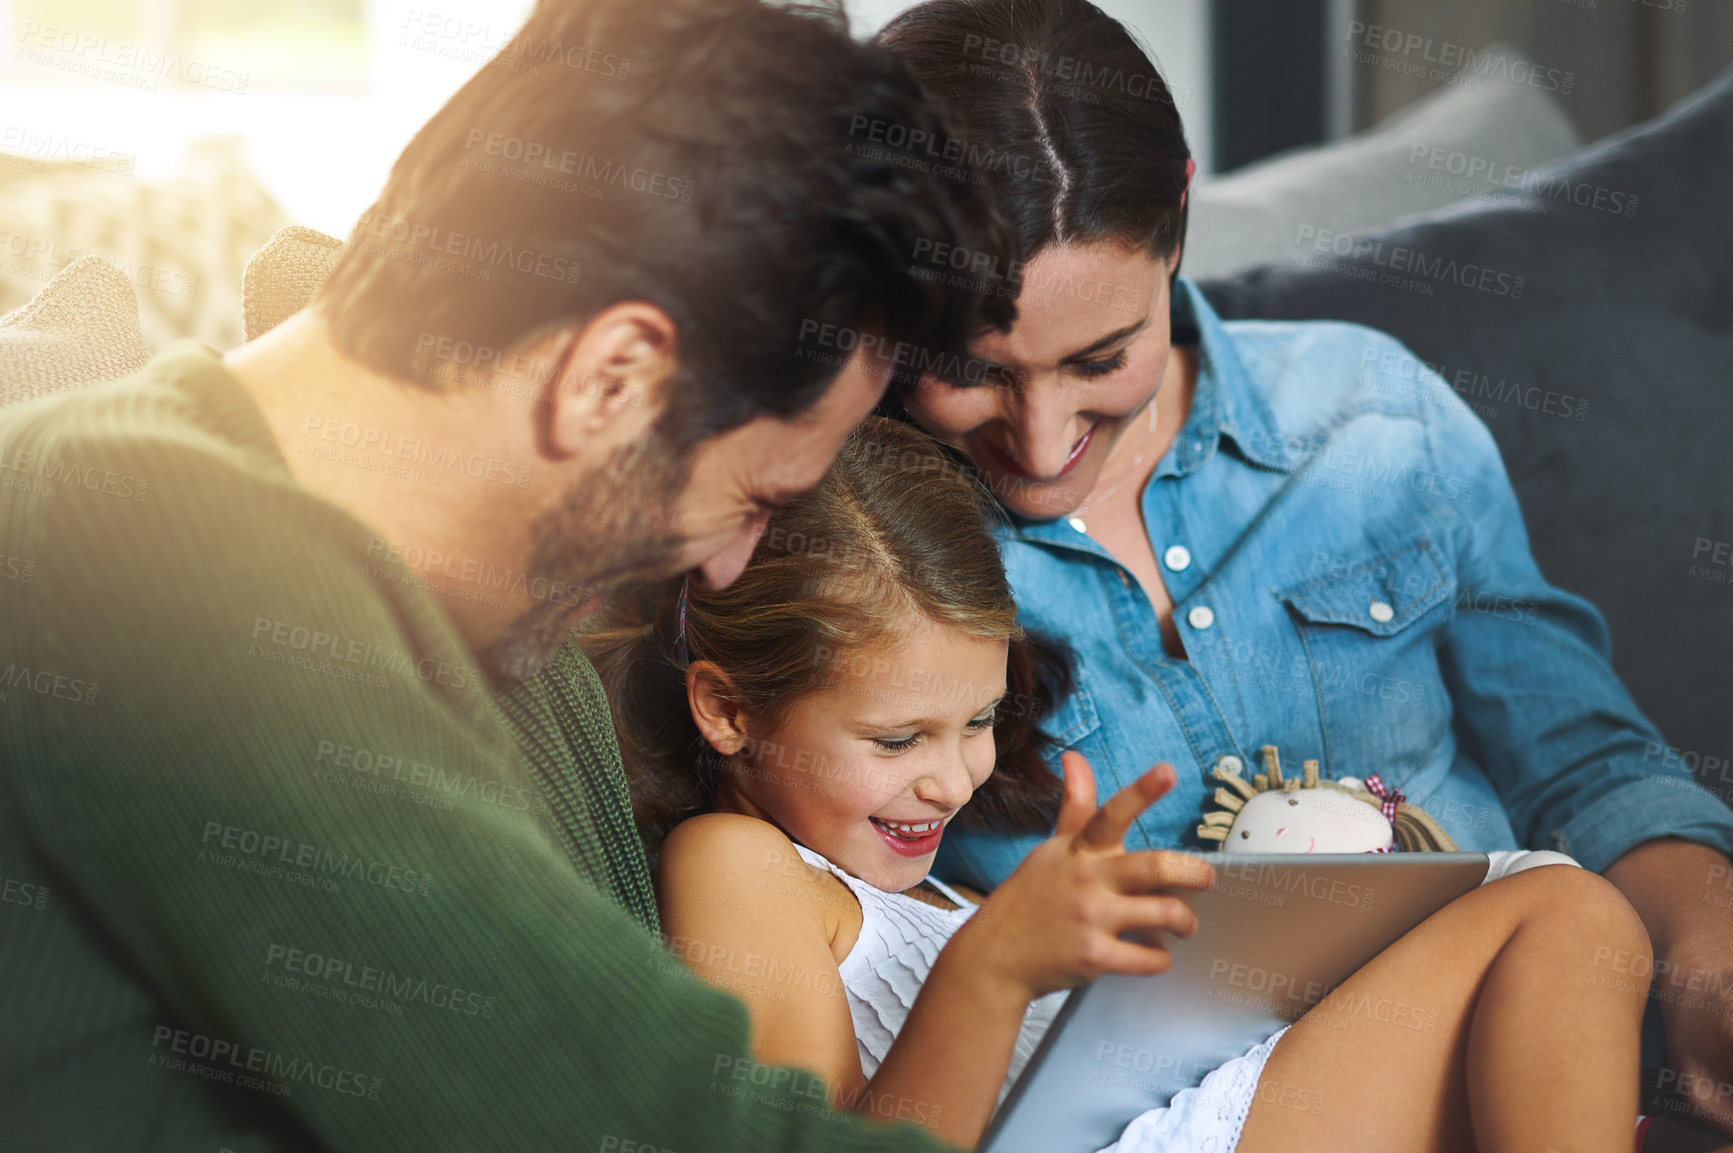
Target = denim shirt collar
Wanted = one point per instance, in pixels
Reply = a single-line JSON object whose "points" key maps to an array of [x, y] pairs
{"points": [[1224, 401], [1223, 404]]}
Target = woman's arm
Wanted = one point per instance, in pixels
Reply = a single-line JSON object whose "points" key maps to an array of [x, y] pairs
{"points": [[1532, 687], [742, 908]]}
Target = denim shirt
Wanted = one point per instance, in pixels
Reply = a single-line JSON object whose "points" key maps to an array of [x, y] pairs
{"points": [[1352, 582]]}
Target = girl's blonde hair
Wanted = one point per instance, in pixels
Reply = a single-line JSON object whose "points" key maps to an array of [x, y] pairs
{"points": [[897, 527]]}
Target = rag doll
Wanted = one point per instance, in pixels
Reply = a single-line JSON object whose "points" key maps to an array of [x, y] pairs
{"points": [[1306, 814]]}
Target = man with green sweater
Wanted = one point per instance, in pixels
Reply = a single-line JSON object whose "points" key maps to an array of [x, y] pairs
{"points": [[313, 833]]}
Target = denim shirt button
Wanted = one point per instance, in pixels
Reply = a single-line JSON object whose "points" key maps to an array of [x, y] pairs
{"points": [[1381, 612], [1201, 617], [1177, 558], [1076, 522], [1228, 763]]}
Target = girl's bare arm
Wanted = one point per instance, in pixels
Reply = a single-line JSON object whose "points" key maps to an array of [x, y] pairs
{"points": [[741, 907], [744, 911]]}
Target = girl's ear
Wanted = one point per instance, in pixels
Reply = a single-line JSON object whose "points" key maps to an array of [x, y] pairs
{"points": [[716, 707]]}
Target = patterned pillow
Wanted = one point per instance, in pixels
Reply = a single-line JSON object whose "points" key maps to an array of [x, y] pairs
{"points": [[181, 241]]}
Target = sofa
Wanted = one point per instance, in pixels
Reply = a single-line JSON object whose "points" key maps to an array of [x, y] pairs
{"points": [[1583, 306]]}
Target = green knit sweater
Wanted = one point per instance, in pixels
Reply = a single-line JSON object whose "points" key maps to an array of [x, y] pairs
{"points": [[278, 872]]}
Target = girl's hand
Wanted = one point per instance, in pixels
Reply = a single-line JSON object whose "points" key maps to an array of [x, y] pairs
{"points": [[1056, 922]]}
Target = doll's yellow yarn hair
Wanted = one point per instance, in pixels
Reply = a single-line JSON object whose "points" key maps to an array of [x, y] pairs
{"points": [[1416, 831]]}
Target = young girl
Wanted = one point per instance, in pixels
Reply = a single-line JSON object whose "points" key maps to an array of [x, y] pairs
{"points": [[799, 744]]}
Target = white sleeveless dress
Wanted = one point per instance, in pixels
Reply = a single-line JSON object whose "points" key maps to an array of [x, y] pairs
{"points": [[900, 938]]}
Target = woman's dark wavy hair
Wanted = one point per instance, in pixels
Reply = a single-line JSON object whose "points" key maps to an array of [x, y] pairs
{"points": [[1067, 120], [700, 155], [895, 528]]}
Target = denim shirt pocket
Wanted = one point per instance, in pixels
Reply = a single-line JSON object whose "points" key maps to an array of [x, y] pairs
{"points": [[1409, 583], [1369, 635]]}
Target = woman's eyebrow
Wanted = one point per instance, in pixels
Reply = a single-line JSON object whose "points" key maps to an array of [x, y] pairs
{"points": [[1108, 341]]}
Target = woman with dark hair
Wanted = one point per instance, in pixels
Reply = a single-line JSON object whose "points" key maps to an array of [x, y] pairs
{"points": [[1262, 533]]}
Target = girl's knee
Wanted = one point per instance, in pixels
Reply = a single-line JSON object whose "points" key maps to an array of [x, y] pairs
{"points": [[1590, 905]]}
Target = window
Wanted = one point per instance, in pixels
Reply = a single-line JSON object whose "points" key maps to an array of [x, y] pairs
{"points": [[168, 46]]}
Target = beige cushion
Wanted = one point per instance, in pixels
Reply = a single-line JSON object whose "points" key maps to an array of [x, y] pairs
{"points": [[81, 328], [282, 277]]}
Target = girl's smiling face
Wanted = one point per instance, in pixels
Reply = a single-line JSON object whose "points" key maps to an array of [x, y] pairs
{"points": [[869, 769]]}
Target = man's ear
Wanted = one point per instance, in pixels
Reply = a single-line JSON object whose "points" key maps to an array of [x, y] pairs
{"points": [[609, 377], [716, 707]]}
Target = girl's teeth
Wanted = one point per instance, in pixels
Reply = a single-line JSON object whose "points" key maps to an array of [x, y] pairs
{"points": [[910, 828]]}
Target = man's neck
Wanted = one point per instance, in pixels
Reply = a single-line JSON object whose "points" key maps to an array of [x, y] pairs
{"points": [[378, 449]]}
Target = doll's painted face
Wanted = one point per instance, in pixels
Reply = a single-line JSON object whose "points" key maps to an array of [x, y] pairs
{"points": [[1307, 821]]}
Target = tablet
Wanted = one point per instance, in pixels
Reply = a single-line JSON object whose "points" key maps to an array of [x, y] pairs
{"points": [[1275, 935]]}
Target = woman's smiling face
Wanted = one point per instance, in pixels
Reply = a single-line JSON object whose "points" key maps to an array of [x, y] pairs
{"points": [[870, 769], [1088, 352]]}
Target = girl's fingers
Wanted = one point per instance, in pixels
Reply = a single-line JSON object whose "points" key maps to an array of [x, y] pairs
{"points": [[1078, 803], [1107, 828], [1146, 916], [1152, 870], [1133, 959]]}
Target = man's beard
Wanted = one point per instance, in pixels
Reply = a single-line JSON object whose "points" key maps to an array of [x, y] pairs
{"points": [[612, 527]]}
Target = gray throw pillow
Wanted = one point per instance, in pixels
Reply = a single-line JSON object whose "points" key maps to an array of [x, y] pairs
{"points": [[1465, 141]]}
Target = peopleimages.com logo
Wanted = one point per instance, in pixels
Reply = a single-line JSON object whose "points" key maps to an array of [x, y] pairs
{"points": [[1415, 53]]}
